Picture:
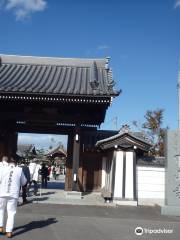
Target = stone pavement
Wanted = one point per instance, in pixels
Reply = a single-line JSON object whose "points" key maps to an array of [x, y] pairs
{"points": [[66, 222], [55, 194], [89, 219]]}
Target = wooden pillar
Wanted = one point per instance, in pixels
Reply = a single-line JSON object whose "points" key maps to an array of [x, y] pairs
{"points": [[69, 162], [76, 158], [8, 139], [107, 190], [2, 140], [8, 144], [80, 171], [2, 148]]}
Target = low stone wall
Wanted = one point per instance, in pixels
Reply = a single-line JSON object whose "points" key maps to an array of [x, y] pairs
{"points": [[150, 185]]}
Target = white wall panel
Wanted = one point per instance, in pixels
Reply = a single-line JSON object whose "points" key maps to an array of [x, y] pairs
{"points": [[150, 185], [129, 179], [118, 184]]}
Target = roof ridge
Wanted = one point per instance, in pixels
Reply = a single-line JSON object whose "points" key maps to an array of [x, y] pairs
{"points": [[19, 59]]}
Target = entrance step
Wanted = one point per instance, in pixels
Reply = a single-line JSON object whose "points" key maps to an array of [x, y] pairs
{"points": [[73, 195], [125, 202]]}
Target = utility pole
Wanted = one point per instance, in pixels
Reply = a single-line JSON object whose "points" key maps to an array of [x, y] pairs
{"points": [[115, 121], [178, 86]]}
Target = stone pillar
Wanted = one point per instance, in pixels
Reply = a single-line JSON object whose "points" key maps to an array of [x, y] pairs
{"points": [[172, 177]]}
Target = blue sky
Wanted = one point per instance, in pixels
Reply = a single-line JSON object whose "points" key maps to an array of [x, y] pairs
{"points": [[142, 38]]}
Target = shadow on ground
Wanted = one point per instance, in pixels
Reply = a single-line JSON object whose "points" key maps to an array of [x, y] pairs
{"points": [[46, 193], [34, 225], [40, 199], [56, 185]]}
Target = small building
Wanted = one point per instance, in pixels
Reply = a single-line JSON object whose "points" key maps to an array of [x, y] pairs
{"points": [[119, 172], [26, 150], [57, 155]]}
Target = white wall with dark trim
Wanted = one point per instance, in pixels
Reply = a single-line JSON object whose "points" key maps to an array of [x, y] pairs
{"points": [[150, 185]]}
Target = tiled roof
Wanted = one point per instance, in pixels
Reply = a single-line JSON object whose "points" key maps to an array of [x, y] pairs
{"points": [[151, 161], [91, 137], [125, 137], [56, 76], [24, 148], [58, 149], [125, 130]]}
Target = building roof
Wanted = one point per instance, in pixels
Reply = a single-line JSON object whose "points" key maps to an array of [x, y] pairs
{"points": [[56, 76], [90, 138], [125, 139], [150, 161], [57, 150], [23, 149]]}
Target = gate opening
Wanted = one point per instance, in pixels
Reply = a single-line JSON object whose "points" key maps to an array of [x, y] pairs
{"points": [[47, 150]]}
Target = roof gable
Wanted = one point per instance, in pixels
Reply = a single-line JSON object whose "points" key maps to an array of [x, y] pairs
{"points": [[57, 150], [125, 139]]}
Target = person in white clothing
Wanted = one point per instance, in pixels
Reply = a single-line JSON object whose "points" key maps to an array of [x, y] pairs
{"points": [[34, 168], [4, 161], [11, 179]]}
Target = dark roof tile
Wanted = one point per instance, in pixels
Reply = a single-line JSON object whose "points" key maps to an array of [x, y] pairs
{"points": [[86, 77]]}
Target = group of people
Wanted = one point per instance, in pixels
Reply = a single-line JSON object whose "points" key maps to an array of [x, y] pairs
{"points": [[14, 178], [55, 172], [34, 173]]}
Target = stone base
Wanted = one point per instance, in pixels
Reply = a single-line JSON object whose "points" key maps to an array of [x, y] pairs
{"points": [[170, 210], [125, 202], [151, 201], [73, 195]]}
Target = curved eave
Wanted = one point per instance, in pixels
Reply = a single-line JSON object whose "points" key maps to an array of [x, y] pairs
{"points": [[56, 98], [118, 140]]}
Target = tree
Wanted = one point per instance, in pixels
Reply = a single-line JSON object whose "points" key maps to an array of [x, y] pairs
{"points": [[153, 128], [40, 154], [29, 153]]}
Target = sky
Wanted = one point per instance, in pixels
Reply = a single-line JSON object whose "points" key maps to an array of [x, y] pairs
{"points": [[142, 37]]}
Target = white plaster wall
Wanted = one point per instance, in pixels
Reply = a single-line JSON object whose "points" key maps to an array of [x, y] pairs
{"points": [[129, 183], [103, 172], [118, 185], [150, 185]]}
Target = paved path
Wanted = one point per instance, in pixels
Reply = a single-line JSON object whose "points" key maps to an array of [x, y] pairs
{"points": [[55, 194], [73, 219], [66, 222]]}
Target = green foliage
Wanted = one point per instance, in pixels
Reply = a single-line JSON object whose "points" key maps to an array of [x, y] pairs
{"points": [[40, 153], [29, 154], [153, 120]]}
